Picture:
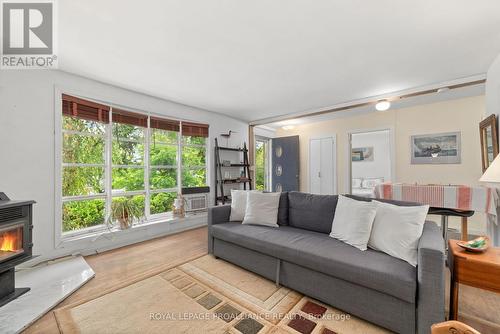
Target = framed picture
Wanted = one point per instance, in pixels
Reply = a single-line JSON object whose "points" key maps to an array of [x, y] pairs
{"points": [[440, 148], [362, 154], [489, 140]]}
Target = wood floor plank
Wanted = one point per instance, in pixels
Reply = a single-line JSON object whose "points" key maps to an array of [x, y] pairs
{"points": [[123, 264]]}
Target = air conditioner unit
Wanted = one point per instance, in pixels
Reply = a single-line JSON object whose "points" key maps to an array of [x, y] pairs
{"points": [[196, 202]]}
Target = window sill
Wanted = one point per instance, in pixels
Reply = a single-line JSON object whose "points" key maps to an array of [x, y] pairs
{"points": [[104, 231]]}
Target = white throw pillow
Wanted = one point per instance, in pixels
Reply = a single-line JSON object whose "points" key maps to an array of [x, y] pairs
{"points": [[262, 209], [353, 221], [397, 230], [238, 205]]}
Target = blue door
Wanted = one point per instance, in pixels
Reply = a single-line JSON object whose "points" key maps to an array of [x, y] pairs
{"points": [[285, 164]]}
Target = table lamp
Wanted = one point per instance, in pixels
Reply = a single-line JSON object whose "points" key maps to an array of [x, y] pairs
{"points": [[492, 173]]}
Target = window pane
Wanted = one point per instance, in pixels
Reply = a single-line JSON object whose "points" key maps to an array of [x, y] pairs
{"points": [[128, 179], [126, 131], [163, 178], [127, 153], [163, 136], [193, 156], [83, 149], [259, 179], [162, 202], [194, 177], [192, 140], [163, 155], [134, 204], [260, 156], [79, 181], [82, 125], [82, 214]]}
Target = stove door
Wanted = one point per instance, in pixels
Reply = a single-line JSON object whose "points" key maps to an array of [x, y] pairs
{"points": [[11, 241]]}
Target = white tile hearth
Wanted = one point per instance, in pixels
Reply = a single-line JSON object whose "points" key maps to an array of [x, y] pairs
{"points": [[49, 284]]}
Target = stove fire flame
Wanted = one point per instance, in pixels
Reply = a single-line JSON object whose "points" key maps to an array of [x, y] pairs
{"points": [[8, 243]]}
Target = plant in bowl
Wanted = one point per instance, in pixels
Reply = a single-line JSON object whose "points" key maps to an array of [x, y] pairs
{"points": [[126, 211]]}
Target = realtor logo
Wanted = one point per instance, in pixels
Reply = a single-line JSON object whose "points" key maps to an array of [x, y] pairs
{"points": [[28, 35]]}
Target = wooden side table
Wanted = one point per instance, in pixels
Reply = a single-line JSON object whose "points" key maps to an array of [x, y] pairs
{"points": [[480, 270]]}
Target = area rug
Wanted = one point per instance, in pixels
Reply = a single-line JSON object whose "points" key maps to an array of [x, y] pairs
{"points": [[206, 295]]}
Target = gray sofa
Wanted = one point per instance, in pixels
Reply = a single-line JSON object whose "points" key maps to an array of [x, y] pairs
{"points": [[300, 255]]}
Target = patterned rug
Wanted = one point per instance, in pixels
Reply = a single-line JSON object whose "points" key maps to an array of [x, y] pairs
{"points": [[206, 295]]}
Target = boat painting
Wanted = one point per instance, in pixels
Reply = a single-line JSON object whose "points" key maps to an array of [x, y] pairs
{"points": [[442, 148]]}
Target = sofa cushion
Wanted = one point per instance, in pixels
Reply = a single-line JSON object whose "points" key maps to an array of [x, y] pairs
{"points": [[311, 212], [283, 209], [319, 252]]}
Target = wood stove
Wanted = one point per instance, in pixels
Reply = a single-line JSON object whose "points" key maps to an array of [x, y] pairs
{"points": [[15, 244]]}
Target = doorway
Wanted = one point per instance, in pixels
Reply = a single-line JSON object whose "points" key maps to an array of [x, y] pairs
{"points": [[322, 165], [262, 157], [371, 161]]}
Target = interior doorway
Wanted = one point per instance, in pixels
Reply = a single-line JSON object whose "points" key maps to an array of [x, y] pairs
{"points": [[322, 165], [371, 161], [262, 164]]}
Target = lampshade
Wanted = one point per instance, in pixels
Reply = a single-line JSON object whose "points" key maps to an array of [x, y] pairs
{"points": [[492, 174]]}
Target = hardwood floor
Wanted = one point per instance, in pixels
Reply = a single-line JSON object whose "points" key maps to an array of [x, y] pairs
{"points": [[126, 263], [478, 308]]}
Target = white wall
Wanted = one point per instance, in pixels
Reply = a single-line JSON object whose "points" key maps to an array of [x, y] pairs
{"points": [[493, 88], [27, 143], [381, 164]]}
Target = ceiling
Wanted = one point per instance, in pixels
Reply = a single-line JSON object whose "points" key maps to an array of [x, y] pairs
{"points": [[259, 59], [453, 94]]}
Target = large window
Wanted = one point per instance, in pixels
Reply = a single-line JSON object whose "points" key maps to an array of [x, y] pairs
{"points": [[111, 155]]}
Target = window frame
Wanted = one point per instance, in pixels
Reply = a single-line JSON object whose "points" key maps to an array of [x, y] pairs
{"points": [[108, 166]]}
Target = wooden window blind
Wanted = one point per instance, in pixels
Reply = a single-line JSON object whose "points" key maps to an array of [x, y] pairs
{"points": [[194, 129], [88, 110], [130, 118], [164, 124]]}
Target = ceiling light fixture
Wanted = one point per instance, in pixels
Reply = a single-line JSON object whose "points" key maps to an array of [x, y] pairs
{"points": [[443, 89], [383, 105], [288, 127]]}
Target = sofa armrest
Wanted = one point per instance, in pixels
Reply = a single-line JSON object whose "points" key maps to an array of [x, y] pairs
{"points": [[216, 215], [430, 272]]}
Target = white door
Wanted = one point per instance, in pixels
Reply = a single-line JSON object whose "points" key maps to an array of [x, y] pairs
{"points": [[322, 166]]}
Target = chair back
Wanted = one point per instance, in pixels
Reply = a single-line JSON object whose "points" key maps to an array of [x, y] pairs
{"points": [[452, 327]]}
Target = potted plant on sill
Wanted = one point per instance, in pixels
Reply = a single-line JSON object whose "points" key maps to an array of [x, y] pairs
{"points": [[126, 211]]}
